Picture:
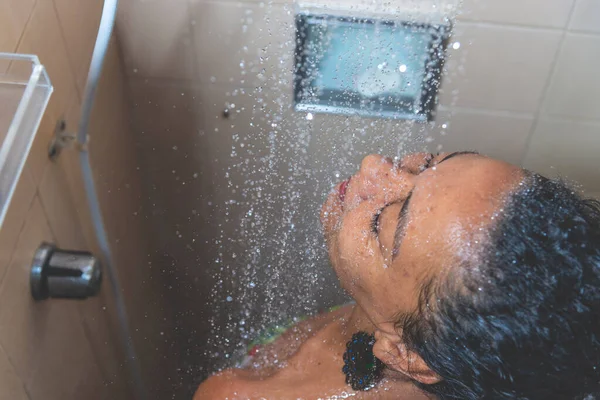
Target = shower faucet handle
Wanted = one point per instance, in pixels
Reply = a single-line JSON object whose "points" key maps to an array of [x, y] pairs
{"points": [[64, 274]]}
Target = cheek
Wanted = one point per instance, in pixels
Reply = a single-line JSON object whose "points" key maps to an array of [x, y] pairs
{"points": [[357, 259]]}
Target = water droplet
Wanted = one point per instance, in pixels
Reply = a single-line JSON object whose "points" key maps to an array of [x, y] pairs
{"points": [[229, 298], [456, 45], [402, 68], [309, 116]]}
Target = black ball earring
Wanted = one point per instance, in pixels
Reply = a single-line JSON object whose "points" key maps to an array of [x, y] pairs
{"points": [[362, 369]]}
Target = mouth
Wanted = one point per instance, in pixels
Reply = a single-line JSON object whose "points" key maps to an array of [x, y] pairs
{"points": [[343, 188]]}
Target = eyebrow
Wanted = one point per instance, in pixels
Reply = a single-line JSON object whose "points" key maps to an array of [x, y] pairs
{"points": [[457, 153], [403, 214]]}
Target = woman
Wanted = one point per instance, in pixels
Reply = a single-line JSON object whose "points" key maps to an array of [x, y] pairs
{"points": [[477, 280]]}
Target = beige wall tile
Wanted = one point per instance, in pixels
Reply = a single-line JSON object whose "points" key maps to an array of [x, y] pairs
{"points": [[15, 218], [79, 21], [575, 88], [568, 149], [92, 388], [156, 38], [586, 16], [56, 198], [13, 18], [495, 67], [118, 182], [44, 38], [61, 188], [64, 363], [546, 13], [38, 158], [244, 43], [45, 341], [11, 385], [96, 313], [22, 321]]}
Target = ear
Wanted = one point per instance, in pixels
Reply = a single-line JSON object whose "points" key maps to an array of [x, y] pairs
{"points": [[394, 354]]}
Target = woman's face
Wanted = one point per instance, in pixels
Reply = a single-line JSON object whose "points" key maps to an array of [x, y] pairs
{"points": [[392, 226]]}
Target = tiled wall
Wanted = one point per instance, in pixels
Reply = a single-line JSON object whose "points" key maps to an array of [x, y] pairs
{"points": [[70, 349], [521, 87], [522, 79]]}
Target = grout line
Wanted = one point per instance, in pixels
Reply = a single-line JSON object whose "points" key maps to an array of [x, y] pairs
{"points": [[21, 228], [492, 24], [33, 7], [39, 195], [549, 81], [581, 32], [80, 318], [567, 118], [14, 369], [487, 111], [69, 57]]}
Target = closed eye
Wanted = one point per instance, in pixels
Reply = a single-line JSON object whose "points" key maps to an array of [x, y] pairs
{"points": [[375, 221], [428, 162]]}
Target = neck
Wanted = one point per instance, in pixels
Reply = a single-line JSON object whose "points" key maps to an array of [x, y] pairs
{"points": [[357, 321]]}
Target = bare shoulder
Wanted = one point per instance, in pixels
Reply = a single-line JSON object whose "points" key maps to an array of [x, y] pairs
{"points": [[226, 385]]}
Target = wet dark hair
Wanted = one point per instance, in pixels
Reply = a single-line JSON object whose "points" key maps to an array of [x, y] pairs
{"points": [[523, 320]]}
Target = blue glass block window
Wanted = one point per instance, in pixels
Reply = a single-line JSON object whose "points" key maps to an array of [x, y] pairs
{"points": [[367, 67]]}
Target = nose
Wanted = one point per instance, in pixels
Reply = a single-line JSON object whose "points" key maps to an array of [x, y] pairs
{"points": [[374, 165], [378, 176]]}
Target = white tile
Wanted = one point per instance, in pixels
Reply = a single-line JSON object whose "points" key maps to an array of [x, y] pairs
{"points": [[339, 143], [593, 195], [156, 38], [568, 149], [544, 13], [586, 16], [499, 135], [575, 87], [246, 44], [497, 68], [425, 11]]}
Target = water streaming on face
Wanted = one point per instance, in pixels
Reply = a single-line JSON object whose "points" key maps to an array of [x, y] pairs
{"points": [[269, 184]]}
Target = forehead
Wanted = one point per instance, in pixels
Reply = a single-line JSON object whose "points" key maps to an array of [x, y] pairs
{"points": [[451, 206]]}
